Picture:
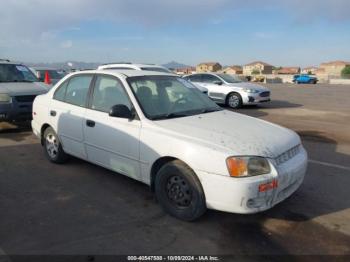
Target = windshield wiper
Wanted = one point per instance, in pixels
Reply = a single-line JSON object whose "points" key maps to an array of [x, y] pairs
{"points": [[168, 116], [209, 110]]}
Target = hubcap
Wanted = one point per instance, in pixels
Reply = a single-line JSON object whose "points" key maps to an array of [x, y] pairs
{"points": [[178, 191], [51, 145], [233, 101]]}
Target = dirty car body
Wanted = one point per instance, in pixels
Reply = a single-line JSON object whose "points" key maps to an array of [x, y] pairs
{"points": [[242, 164]]}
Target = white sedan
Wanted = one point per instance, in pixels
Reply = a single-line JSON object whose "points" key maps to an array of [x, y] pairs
{"points": [[153, 128]]}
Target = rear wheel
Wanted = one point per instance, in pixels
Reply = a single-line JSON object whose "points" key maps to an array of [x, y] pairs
{"points": [[179, 191], [234, 100], [53, 148]]}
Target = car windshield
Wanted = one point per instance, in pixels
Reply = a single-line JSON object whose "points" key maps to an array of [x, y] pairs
{"points": [[230, 78], [16, 73], [162, 97], [156, 69]]}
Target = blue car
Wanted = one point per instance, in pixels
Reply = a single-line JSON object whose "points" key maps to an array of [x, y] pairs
{"points": [[304, 79]]}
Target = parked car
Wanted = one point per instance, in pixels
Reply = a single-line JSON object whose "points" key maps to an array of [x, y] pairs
{"points": [[151, 127], [55, 74], [143, 67], [305, 79], [230, 89], [18, 88], [131, 66]]}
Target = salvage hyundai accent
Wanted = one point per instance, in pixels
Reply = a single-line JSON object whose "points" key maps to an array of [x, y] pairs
{"points": [[156, 128]]}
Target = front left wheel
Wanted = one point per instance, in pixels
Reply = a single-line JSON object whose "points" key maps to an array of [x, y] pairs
{"points": [[234, 100], [179, 191], [52, 147]]}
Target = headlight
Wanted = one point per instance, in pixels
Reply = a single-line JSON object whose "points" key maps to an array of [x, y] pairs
{"points": [[247, 166], [250, 90], [5, 98]]}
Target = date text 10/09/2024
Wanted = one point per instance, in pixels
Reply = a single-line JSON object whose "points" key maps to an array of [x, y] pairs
{"points": [[173, 258]]}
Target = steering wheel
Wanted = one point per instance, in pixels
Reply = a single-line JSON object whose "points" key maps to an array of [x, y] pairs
{"points": [[176, 103]]}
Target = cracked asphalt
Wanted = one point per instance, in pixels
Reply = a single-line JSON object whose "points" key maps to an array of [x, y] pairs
{"points": [[80, 208]]}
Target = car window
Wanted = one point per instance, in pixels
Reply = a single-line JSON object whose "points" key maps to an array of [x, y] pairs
{"points": [[77, 90], [108, 92], [16, 73], [195, 78], [52, 73], [209, 78], [60, 92]]}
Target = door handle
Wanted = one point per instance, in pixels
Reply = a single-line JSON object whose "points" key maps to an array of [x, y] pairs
{"points": [[53, 113], [90, 123]]}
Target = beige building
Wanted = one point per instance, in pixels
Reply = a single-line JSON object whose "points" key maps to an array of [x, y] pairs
{"points": [[257, 67], [208, 67], [232, 70], [309, 70], [185, 70], [334, 68], [288, 71]]}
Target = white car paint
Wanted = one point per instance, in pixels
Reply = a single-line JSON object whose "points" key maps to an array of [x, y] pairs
{"points": [[141, 67], [203, 142]]}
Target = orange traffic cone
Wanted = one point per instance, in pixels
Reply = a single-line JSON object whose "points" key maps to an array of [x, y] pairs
{"points": [[47, 79]]}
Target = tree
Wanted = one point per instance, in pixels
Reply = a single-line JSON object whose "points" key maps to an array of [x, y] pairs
{"points": [[345, 73]]}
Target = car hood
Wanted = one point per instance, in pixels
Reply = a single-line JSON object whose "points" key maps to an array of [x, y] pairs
{"points": [[22, 88], [236, 133], [249, 85]]}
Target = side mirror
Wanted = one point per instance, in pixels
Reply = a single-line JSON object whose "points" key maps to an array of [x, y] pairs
{"points": [[219, 83], [121, 111]]}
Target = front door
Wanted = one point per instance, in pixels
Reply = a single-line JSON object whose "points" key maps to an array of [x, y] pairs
{"points": [[110, 141], [215, 91]]}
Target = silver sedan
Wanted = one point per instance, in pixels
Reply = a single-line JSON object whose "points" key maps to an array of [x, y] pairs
{"points": [[230, 90]]}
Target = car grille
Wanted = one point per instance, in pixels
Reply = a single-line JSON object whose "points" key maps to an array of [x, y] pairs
{"points": [[25, 99], [289, 154], [265, 94]]}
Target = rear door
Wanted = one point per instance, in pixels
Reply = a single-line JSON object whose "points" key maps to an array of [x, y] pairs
{"points": [[67, 113]]}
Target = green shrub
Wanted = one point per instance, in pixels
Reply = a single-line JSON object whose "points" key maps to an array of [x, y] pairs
{"points": [[255, 72], [345, 73]]}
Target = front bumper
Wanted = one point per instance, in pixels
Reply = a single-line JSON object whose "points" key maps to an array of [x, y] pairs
{"points": [[241, 195], [16, 111], [254, 98]]}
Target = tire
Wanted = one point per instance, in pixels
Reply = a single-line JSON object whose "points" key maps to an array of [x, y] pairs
{"points": [[179, 191], [53, 148], [234, 100]]}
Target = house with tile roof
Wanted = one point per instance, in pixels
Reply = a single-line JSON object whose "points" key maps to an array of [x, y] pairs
{"points": [[257, 67], [232, 70], [208, 67]]}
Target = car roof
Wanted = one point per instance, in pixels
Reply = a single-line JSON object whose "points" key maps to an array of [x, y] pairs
{"points": [[130, 65], [203, 73], [9, 62], [124, 73], [43, 68]]}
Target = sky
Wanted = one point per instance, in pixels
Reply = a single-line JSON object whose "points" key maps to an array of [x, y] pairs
{"points": [[282, 33]]}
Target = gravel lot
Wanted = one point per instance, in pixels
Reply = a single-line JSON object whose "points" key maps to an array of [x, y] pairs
{"points": [[80, 208]]}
